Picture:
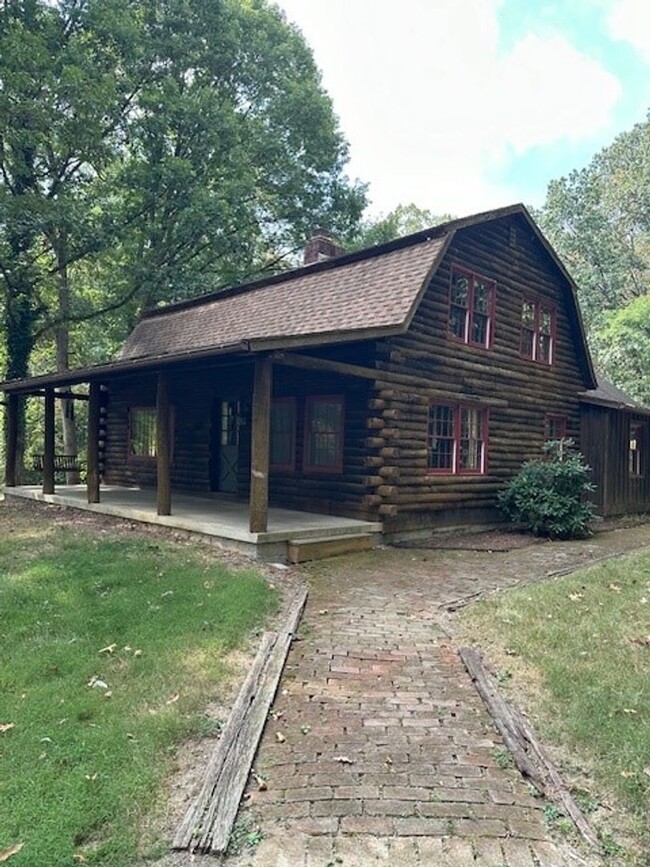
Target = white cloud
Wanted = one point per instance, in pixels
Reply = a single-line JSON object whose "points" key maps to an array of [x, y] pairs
{"points": [[629, 21], [432, 106]]}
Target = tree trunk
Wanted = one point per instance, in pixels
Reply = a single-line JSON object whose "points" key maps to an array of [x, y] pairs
{"points": [[68, 423]]}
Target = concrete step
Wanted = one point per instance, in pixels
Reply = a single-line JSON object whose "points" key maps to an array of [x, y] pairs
{"points": [[301, 550]]}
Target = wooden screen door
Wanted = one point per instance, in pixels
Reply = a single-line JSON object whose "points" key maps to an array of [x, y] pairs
{"points": [[228, 425]]}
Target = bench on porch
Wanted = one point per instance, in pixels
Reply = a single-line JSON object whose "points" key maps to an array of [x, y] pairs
{"points": [[62, 463]]}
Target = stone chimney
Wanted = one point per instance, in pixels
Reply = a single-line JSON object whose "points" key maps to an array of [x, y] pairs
{"points": [[322, 245]]}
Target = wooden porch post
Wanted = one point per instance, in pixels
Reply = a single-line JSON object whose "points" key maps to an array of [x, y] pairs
{"points": [[12, 441], [92, 462], [163, 446], [259, 492], [48, 450]]}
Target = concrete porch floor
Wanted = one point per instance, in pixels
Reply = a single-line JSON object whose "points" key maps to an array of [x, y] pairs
{"points": [[222, 518]]}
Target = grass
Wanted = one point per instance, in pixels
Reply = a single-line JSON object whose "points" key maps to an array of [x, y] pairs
{"points": [[112, 647], [579, 651]]}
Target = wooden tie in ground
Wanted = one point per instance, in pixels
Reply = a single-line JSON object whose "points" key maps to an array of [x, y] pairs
{"points": [[209, 821], [529, 755]]}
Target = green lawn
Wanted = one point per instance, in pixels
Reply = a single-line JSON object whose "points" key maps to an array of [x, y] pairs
{"points": [[578, 650], [112, 645]]}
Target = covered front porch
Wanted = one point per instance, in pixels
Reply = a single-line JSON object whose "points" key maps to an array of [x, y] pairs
{"points": [[224, 519]]}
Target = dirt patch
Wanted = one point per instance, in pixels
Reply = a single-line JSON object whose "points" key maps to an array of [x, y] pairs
{"points": [[491, 540]]}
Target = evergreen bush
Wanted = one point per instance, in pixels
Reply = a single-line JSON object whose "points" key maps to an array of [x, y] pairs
{"points": [[548, 496]]}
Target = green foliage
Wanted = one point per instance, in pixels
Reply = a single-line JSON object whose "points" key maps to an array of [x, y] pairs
{"points": [[548, 495], [622, 348], [598, 220], [150, 152], [403, 220], [82, 771]]}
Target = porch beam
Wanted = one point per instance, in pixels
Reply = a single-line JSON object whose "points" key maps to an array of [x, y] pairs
{"points": [[92, 455], [12, 441], [48, 444], [163, 446], [261, 421], [308, 362]]}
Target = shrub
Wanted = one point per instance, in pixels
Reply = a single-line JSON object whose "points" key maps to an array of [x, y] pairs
{"points": [[548, 495]]}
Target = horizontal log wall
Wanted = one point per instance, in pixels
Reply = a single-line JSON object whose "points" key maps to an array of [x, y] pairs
{"points": [[517, 392]]}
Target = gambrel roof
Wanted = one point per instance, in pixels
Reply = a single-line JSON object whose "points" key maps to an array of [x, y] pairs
{"points": [[347, 299], [364, 295]]}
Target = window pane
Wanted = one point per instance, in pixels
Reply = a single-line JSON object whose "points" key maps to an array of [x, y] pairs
{"points": [[481, 297], [324, 437], [458, 322], [545, 321], [480, 329], [282, 433], [527, 343], [471, 439], [528, 315], [544, 348], [441, 438], [554, 428], [460, 290], [143, 432], [635, 451]]}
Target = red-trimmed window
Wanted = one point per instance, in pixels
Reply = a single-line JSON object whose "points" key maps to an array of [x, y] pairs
{"points": [[457, 439], [636, 451], [471, 308], [324, 425], [283, 434], [554, 427], [537, 331]]}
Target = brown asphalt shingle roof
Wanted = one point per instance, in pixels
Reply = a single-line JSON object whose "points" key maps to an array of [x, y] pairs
{"points": [[366, 294], [610, 394]]}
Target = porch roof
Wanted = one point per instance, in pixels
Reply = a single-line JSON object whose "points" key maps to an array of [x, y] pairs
{"points": [[610, 395]]}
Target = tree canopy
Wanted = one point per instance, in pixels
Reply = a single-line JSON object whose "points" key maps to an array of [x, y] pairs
{"points": [[151, 151], [598, 219], [405, 219]]}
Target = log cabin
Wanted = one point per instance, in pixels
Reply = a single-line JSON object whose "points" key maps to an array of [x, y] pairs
{"points": [[397, 387]]}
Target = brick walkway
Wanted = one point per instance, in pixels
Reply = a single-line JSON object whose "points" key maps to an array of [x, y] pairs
{"points": [[378, 749]]}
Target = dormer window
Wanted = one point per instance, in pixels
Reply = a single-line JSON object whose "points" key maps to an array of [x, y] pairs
{"points": [[471, 308]]}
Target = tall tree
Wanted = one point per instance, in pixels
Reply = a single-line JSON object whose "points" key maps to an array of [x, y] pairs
{"points": [[598, 218], [402, 220], [150, 151]]}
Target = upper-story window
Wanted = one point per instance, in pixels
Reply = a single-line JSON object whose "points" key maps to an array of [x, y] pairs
{"points": [[471, 308], [537, 331]]}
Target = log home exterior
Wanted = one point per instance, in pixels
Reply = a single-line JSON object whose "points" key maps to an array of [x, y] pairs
{"points": [[401, 385]]}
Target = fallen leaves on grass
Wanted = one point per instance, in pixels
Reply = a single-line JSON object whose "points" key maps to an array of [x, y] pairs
{"points": [[6, 727], [280, 738], [110, 648], [173, 699], [6, 854], [262, 785]]}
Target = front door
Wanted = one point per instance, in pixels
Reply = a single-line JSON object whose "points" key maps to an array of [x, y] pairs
{"points": [[227, 423]]}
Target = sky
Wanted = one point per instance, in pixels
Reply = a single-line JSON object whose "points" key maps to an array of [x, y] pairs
{"points": [[461, 106]]}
